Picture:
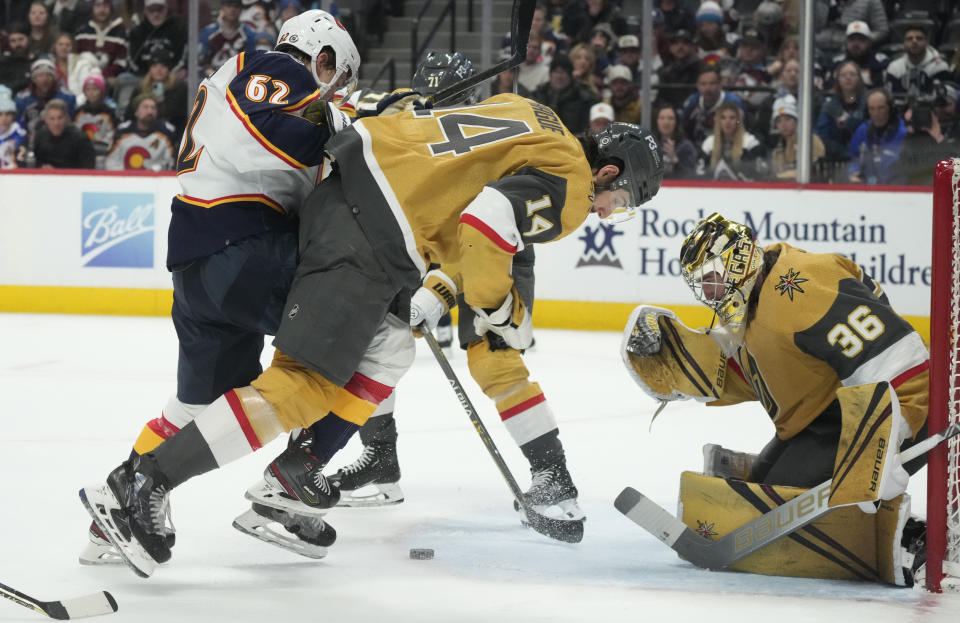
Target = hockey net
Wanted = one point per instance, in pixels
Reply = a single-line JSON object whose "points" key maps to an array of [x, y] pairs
{"points": [[943, 470]]}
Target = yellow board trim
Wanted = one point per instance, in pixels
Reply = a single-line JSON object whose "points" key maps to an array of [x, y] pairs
{"points": [[578, 315]]}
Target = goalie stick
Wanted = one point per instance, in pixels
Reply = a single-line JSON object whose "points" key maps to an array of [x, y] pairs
{"points": [[566, 530], [520, 22], [756, 534], [90, 605]]}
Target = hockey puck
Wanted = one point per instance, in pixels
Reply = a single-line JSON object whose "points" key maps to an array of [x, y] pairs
{"points": [[421, 554]]}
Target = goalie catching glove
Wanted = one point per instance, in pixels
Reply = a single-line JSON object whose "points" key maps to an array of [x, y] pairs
{"points": [[431, 301], [511, 321]]}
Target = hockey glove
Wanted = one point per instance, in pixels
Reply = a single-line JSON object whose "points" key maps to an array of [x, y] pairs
{"points": [[511, 321], [644, 337], [402, 100], [431, 301], [323, 113]]}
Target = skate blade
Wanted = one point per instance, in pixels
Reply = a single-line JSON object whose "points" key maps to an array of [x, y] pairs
{"points": [[96, 555], [99, 502], [268, 495], [564, 510], [372, 495], [261, 528]]}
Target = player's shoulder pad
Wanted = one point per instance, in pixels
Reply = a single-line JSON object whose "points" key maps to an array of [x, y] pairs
{"points": [[537, 199], [277, 66]]}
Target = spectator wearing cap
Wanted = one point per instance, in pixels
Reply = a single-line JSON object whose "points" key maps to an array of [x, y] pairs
{"points": [[783, 158], [677, 15], [12, 134], [159, 29], [876, 144], [679, 154], [581, 16], [166, 89], [256, 15], [700, 108], [842, 112], [15, 62], [768, 21], [602, 41], [58, 143], [711, 38], [567, 97], [43, 89], [286, 10], [533, 71], [42, 28], [730, 152], [601, 116], [752, 67], [584, 61], [873, 12], [682, 70], [104, 36], [69, 15], [628, 54], [623, 94], [145, 142], [915, 71], [858, 47], [789, 84], [97, 117], [225, 38]]}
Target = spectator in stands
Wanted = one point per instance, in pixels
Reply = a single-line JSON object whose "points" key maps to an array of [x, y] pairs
{"points": [[97, 118], [42, 90], [914, 72], [679, 154], [682, 70], [875, 147], [730, 152], [789, 50], [42, 29], [12, 134], [843, 111], [711, 37], [858, 47], [286, 10], [550, 37], [63, 58], [58, 143], [752, 67], [946, 110], [783, 159], [70, 15], [601, 116], [144, 142], [256, 15], [567, 97], [628, 54], [580, 17], [924, 146], [768, 20], [870, 11], [789, 84], [584, 62], [623, 94], [602, 41], [225, 38], [676, 15], [699, 111], [105, 37], [533, 72], [15, 62], [167, 91], [504, 83], [159, 29]]}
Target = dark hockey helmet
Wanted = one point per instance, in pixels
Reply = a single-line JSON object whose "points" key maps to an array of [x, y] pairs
{"points": [[439, 70], [636, 153]]}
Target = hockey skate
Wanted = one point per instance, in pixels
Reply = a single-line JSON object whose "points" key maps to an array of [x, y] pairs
{"points": [[132, 511], [294, 481], [372, 479], [99, 550], [311, 534], [553, 494]]}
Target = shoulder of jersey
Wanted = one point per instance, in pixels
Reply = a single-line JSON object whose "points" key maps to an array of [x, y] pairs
{"points": [[278, 66], [802, 286]]}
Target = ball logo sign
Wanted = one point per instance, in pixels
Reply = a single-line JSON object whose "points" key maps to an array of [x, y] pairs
{"points": [[117, 230]]}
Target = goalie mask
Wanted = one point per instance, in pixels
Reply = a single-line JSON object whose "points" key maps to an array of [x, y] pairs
{"points": [[721, 262], [636, 153], [439, 70], [311, 32]]}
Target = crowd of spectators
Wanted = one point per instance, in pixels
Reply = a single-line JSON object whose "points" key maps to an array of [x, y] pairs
{"points": [[107, 78], [726, 75]]}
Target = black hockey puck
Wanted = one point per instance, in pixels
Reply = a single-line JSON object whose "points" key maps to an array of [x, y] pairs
{"points": [[421, 554]]}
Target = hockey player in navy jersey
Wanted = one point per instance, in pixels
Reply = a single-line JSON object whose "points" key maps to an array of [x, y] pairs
{"points": [[247, 160]]}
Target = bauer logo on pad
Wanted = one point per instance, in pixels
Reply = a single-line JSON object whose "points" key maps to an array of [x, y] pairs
{"points": [[117, 230]]}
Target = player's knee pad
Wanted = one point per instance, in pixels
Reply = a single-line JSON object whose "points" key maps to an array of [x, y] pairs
{"points": [[298, 395], [496, 372]]}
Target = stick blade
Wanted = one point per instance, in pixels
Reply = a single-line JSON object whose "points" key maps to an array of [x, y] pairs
{"points": [[565, 530], [650, 516], [92, 605]]}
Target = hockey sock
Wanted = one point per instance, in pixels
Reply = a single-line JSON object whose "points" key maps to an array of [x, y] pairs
{"points": [[174, 416], [379, 429], [544, 451], [330, 435], [183, 456]]}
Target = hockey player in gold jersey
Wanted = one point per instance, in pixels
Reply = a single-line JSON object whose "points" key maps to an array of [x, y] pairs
{"points": [[815, 340], [470, 185]]}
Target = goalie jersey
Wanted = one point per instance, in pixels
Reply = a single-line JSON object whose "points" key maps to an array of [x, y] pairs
{"points": [[248, 158], [471, 184], [820, 323]]}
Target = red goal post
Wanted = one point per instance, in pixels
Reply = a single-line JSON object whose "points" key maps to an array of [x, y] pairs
{"points": [[943, 468]]}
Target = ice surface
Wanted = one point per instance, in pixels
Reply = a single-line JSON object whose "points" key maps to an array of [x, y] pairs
{"points": [[75, 391]]}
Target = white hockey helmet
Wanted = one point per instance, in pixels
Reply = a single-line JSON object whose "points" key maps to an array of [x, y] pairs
{"points": [[313, 30]]}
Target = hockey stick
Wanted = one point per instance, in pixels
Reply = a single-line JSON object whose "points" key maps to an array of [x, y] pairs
{"points": [[90, 605], [566, 530], [758, 533], [520, 22]]}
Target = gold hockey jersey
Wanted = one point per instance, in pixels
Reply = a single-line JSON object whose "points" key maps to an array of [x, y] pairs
{"points": [[821, 323], [471, 184]]}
